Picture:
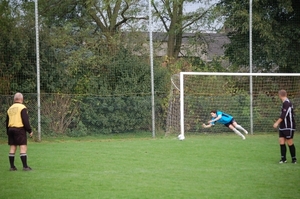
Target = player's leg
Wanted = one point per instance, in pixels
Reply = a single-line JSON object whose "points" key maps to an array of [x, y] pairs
{"points": [[23, 151], [292, 147], [236, 125], [282, 147], [236, 131], [23, 156], [11, 157], [12, 149]]}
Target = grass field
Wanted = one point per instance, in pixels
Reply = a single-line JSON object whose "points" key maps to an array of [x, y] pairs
{"points": [[202, 166]]}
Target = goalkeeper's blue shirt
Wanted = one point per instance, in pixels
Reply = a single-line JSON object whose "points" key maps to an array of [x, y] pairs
{"points": [[225, 118]]}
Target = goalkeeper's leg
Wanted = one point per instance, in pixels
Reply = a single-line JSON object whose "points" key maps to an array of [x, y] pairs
{"points": [[240, 127], [239, 133]]}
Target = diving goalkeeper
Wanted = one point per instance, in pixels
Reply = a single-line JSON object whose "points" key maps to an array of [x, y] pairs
{"points": [[227, 120]]}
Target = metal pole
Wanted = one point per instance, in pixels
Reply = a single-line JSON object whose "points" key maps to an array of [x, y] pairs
{"points": [[181, 103], [250, 66], [38, 69], [151, 65]]}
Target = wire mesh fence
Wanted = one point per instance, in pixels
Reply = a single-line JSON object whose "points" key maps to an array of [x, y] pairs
{"points": [[82, 115]]}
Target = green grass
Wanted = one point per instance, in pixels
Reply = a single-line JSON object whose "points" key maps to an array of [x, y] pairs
{"points": [[202, 166]]}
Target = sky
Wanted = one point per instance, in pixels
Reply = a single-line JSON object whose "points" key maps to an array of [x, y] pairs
{"points": [[193, 6]]}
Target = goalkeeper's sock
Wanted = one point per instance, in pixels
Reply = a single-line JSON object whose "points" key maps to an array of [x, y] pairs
{"points": [[241, 128], [238, 133]]}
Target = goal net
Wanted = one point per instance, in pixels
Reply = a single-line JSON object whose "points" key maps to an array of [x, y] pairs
{"points": [[251, 98]]}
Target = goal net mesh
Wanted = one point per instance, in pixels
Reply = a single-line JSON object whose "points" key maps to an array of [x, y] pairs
{"points": [[230, 94]]}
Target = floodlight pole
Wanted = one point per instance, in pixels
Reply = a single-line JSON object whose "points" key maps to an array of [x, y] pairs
{"points": [[38, 69], [151, 65], [250, 66]]}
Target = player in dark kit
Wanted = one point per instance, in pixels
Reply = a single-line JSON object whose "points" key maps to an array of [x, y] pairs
{"points": [[287, 128], [17, 123]]}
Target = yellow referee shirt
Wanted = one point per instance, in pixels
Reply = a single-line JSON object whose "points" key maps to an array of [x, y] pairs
{"points": [[14, 114]]}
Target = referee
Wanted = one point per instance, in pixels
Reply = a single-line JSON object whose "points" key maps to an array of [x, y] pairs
{"points": [[17, 123], [287, 126]]}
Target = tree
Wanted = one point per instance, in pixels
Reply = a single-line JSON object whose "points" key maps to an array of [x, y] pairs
{"points": [[17, 42], [276, 33], [107, 16], [102, 17], [176, 20], [89, 35]]}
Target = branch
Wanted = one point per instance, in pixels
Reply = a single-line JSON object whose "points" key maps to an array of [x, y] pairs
{"points": [[122, 14], [161, 17], [125, 19], [167, 4], [101, 14], [98, 21], [197, 18]]}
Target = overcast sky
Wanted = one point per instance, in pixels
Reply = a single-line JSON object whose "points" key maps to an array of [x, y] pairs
{"points": [[193, 6]]}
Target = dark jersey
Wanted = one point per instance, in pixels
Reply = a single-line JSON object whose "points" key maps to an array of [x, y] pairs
{"points": [[287, 116]]}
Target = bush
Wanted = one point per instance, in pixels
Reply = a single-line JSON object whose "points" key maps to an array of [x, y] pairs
{"points": [[79, 131], [103, 115]]}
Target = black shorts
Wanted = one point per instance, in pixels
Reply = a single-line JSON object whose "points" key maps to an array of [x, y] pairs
{"points": [[231, 122], [17, 136], [287, 134]]}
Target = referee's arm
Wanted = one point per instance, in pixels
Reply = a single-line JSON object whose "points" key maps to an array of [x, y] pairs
{"points": [[6, 123], [25, 120]]}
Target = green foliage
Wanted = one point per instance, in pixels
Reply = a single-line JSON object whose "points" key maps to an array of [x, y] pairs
{"points": [[276, 33], [261, 112], [103, 115], [80, 130], [16, 48], [107, 17]]}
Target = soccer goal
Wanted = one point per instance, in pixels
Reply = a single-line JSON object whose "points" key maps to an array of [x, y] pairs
{"points": [[251, 98]]}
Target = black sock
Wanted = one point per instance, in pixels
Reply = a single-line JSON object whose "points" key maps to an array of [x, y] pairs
{"points": [[23, 157], [11, 157], [283, 151], [293, 151]]}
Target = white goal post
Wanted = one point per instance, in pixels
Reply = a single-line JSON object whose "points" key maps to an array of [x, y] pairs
{"points": [[273, 81]]}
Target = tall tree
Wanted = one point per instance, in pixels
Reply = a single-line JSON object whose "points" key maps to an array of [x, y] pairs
{"points": [[276, 33], [108, 16], [17, 41], [89, 36], [176, 20]]}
